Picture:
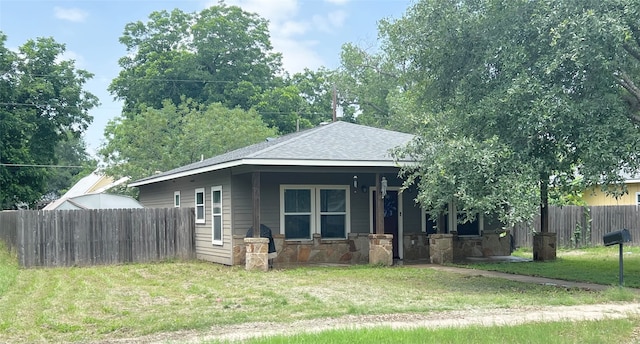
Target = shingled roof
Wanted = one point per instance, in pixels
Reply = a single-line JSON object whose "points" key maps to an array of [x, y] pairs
{"points": [[335, 144]]}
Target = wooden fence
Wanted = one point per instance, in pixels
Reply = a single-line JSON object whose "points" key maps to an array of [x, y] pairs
{"points": [[582, 226], [93, 237]]}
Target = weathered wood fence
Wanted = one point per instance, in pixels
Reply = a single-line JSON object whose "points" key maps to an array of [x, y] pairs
{"points": [[583, 226], [94, 237]]}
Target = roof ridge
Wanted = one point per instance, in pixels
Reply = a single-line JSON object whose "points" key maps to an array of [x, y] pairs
{"points": [[292, 139]]}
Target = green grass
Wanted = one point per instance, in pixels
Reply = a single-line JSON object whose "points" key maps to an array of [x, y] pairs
{"points": [[8, 269], [125, 301], [598, 265], [603, 331]]}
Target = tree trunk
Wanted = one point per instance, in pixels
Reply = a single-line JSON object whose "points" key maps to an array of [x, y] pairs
{"points": [[544, 203]]}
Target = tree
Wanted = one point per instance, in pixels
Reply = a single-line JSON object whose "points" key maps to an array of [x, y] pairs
{"points": [[540, 88], [42, 102], [219, 55], [69, 152], [176, 135]]}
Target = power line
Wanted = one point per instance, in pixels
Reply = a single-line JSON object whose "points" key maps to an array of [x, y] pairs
{"points": [[44, 166]]}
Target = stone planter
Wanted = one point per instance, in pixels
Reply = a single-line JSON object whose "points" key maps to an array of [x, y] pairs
{"points": [[257, 254], [441, 248], [544, 246], [381, 249]]}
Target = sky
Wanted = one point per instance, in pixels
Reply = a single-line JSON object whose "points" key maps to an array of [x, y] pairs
{"points": [[308, 33]]}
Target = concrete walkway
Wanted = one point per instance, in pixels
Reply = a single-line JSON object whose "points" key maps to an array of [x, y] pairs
{"points": [[521, 278]]}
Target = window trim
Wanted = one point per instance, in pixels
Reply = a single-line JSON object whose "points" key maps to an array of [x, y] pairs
{"points": [[203, 205], [316, 215], [176, 199], [217, 188]]}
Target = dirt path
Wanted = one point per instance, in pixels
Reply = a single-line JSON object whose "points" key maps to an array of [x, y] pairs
{"points": [[478, 317]]}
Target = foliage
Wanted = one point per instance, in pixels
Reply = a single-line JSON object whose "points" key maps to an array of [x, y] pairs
{"points": [[176, 135], [544, 80], [42, 103], [219, 55], [70, 152]]}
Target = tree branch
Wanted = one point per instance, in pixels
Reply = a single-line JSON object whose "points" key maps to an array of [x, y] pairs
{"points": [[627, 83]]}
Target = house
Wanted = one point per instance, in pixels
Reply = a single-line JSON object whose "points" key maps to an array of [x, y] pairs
{"points": [[316, 191], [594, 196], [89, 193]]}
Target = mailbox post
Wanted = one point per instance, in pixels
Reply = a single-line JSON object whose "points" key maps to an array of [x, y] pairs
{"points": [[618, 238]]}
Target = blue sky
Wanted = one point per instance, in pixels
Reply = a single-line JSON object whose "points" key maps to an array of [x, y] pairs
{"points": [[309, 33]]}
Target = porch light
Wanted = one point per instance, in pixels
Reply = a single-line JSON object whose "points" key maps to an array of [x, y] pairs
{"points": [[383, 187], [355, 183]]}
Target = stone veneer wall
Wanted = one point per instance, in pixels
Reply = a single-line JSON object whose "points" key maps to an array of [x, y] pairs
{"points": [[416, 246], [353, 250], [447, 248]]}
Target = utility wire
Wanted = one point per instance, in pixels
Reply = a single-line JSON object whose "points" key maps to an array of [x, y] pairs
{"points": [[44, 166]]}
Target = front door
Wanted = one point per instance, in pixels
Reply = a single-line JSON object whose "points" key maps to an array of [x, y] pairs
{"points": [[392, 212]]}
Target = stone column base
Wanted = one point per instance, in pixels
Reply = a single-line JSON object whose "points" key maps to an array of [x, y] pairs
{"points": [[257, 257], [381, 249], [544, 246], [441, 248]]}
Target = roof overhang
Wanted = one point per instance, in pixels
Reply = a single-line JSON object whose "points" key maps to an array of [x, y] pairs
{"points": [[270, 162]]}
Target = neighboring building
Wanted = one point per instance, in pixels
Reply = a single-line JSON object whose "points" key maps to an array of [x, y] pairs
{"points": [[89, 193], [316, 191], [594, 196]]}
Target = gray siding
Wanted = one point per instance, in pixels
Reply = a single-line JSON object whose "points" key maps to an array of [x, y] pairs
{"points": [[160, 195], [270, 198]]}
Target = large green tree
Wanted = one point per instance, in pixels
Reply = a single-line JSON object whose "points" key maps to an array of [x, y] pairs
{"points": [[519, 96], [42, 102], [219, 55], [175, 135]]}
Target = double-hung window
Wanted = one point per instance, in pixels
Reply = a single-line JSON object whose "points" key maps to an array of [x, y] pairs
{"points": [[216, 215], [314, 209], [176, 199], [200, 206]]}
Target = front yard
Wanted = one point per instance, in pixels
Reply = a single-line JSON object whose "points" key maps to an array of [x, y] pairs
{"points": [[111, 302]]}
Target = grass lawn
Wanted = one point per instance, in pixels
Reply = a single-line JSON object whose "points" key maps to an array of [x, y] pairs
{"points": [[110, 302], [604, 331], [594, 264]]}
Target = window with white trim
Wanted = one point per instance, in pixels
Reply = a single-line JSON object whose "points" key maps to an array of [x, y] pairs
{"points": [[216, 215], [637, 198], [176, 199], [200, 206], [306, 210]]}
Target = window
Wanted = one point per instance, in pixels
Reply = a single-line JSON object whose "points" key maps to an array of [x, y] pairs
{"points": [[216, 215], [314, 209], [176, 199], [637, 198], [333, 213], [297, 213], [200, 206]]}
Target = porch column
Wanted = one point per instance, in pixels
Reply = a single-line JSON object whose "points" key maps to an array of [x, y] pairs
{"points": [[255, 182], [257, 248], [380, 244], [379, 207]]}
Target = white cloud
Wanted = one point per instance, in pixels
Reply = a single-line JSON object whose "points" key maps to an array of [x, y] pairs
{"points": [[274, 11], [330, 22], [71, 14], [298, 54], [70, 55], [288, 29]]}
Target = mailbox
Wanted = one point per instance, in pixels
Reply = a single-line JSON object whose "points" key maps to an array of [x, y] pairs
{"points": [[617, 237]]}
